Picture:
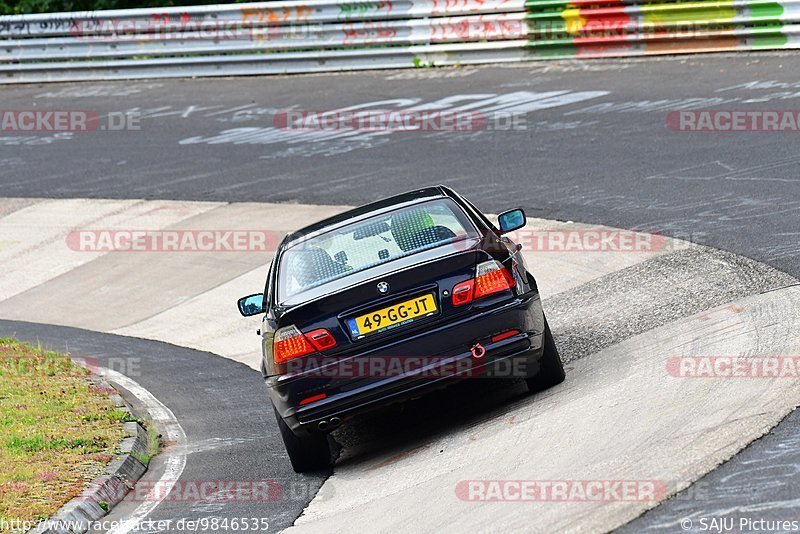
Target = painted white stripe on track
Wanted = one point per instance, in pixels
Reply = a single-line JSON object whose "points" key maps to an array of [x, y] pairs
{"points": [[175, 460]]}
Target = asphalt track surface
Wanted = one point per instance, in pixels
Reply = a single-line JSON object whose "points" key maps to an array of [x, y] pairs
{"points": [[608, 157], [595, 148]]}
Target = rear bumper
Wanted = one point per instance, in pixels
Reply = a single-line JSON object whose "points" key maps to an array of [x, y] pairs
{"points": [[440, 355]]}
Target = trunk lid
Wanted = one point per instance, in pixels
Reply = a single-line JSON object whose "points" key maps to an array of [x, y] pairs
{"points": [[411, 285]]}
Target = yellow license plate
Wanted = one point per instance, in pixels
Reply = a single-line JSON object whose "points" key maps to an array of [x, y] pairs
{"points": [[395, 315]]}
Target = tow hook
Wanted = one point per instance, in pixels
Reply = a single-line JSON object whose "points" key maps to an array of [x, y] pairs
{"points": [[478, 351]]}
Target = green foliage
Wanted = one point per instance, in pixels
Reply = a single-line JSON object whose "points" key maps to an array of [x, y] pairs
{"points": [[13, 7]]}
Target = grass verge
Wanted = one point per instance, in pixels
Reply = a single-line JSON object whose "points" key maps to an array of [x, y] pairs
{"points": [[57, 431]]}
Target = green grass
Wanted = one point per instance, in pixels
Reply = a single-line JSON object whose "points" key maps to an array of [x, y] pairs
{"points": [[57, 431]]}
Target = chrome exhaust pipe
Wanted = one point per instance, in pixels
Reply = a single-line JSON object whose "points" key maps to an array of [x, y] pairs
{"points": [[335, 421], [323, 425]]}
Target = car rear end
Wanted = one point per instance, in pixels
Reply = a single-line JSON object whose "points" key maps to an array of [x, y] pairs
{"points": [[451, 304]]}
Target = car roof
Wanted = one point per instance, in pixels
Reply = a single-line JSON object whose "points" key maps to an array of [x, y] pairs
{"points": [[367, 211]]}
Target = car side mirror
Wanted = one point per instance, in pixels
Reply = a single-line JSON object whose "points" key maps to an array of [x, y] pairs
{"points": [[511, 220], [251, 304]]}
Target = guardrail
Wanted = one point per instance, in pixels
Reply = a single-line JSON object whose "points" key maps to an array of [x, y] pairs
{"points": [[328, 35]]}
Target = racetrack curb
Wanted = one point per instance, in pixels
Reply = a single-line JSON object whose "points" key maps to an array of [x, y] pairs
{"points": [[110, 488]]}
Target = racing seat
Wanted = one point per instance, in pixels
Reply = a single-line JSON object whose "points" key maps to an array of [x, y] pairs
{"points": [[314, 266], [415, 229]]}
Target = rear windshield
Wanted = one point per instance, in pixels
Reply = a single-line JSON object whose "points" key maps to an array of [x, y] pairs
{"points": [[371, 242]]}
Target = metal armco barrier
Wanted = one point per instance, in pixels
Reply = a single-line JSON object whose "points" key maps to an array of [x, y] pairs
{"points": [[323, 35]]}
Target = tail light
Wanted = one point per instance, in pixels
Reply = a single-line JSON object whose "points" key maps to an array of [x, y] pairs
{"points": [[490, 277], [462, 293], [321, 339], [290, 343]]}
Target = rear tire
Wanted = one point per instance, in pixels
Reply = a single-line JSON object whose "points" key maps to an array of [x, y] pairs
{"points": [[310, 453], [551, 370]]}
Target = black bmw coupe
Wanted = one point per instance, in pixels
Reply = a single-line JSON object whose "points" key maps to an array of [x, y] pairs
{"points": [[385, 302]]}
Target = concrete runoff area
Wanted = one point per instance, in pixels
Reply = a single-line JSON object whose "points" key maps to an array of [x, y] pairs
{"points": [[620, 416]]}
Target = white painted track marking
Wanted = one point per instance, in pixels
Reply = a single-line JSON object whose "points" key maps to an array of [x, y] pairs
{"points": [[175, 458]]}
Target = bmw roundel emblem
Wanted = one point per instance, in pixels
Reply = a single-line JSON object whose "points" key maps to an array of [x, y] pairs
{"points": [[383, 288]]}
